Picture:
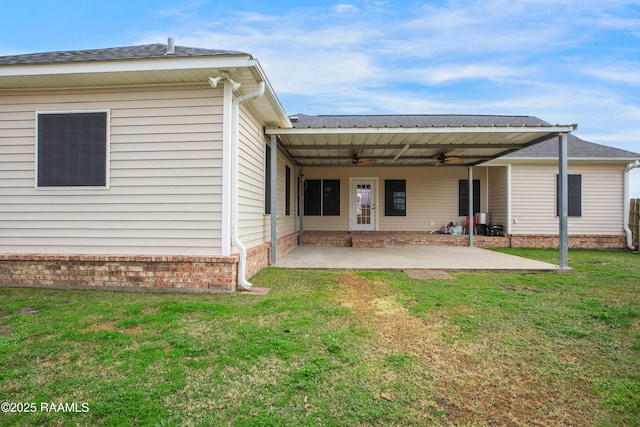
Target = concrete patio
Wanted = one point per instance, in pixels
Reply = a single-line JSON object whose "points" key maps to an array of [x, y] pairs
{"points": [[412, 257]]}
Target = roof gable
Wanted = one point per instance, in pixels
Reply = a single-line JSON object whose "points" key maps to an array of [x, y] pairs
{"points": [[576, 149], [151, 64]]}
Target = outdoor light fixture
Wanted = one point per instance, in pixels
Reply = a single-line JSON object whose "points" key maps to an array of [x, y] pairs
{"points": [[213, 81], [234, 85]]}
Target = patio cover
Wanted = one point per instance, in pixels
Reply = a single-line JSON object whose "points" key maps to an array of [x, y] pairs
{"points": [[414, 140], [409, 140]]}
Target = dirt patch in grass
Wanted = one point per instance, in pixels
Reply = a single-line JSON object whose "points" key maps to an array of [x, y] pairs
{"points": [[134, 330], [112, 326], [104, 326], [475, 380]]}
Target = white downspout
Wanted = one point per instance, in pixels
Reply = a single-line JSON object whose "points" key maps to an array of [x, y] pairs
{"points": [[625, 220], [242, 263]]}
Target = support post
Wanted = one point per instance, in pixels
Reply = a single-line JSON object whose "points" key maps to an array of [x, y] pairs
{"points": [[471, 218], [274, 199], [563, 191]]}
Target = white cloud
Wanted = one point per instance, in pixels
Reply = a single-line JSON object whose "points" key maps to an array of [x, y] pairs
{"points": [[446, 73], [346, 8], [628, 74], [531, 57]]}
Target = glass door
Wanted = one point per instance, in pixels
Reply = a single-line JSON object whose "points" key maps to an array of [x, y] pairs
{"points": [[363, 205]]}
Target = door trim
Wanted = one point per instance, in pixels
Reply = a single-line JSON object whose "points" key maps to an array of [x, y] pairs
{"points": [[352, 195]]}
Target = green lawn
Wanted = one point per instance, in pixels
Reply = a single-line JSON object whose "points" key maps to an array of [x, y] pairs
{"points": [[334, 349]]}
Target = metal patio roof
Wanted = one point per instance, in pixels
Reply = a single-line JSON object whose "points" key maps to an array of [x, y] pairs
{"points": [[410, 140]]}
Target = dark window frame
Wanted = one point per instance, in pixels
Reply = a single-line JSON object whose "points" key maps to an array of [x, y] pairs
{"points": [[395, 190], [574, 203], [72, 150], [322, 197], [312, 197], [287, 191], [463, 197], [267, 179]]}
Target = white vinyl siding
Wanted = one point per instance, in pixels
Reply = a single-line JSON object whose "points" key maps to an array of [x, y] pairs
{"points": [[497, 195], [165, 175], [287, 224], [534, 198], [251, 154], [432, 196], [254, 226]]}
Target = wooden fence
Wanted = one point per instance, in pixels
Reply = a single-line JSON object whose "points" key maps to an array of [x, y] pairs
{"points": [[634, 221]]}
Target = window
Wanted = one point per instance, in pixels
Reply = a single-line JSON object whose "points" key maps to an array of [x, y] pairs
{"points": [[331, 197], [395, 197], [313, 197], [463, 197], [575, 195], [322, 197], [267, 180], [72, 149], [287, 191]]}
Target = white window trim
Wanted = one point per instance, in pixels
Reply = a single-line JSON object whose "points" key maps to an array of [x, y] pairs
{"points": [[107, 154]]}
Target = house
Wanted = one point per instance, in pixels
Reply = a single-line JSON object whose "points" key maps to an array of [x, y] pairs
{"points": [[598, 204], [517, 190], [161, 166]]}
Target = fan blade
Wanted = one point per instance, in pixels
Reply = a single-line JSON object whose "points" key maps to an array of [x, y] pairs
{"points": [[454, 160], [441, 154]]}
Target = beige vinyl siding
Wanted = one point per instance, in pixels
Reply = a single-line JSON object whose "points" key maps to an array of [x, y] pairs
{"points": [[286, 224], [534, 198], [254, 226], [432, 196], [497, 196], [251, 152], [164, 193]]}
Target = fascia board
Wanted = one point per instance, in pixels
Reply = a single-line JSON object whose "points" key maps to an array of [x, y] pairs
{"points": [[423, 130], [115, 66], [260, 75]]}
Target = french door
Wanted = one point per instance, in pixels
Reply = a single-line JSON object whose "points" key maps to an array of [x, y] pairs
{"points": [[363, 204]]}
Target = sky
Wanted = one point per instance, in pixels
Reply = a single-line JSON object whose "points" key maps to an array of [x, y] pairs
{"points": [[564, 61]]}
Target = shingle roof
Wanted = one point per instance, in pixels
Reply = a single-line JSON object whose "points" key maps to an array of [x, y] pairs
{"points": [[412, 120], [576, 148], [157, 50]]}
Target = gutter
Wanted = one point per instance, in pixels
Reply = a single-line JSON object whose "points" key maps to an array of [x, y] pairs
{"points": [[625, 221]]}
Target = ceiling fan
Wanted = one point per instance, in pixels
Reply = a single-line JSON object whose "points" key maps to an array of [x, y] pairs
{"points": [[356, 160], [441, 158]]}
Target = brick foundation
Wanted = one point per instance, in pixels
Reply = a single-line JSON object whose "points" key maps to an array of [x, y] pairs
{"points": [[215, 274], [382, 239], [218, 274], [286, 243], [258, 258], [576, 241]]}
